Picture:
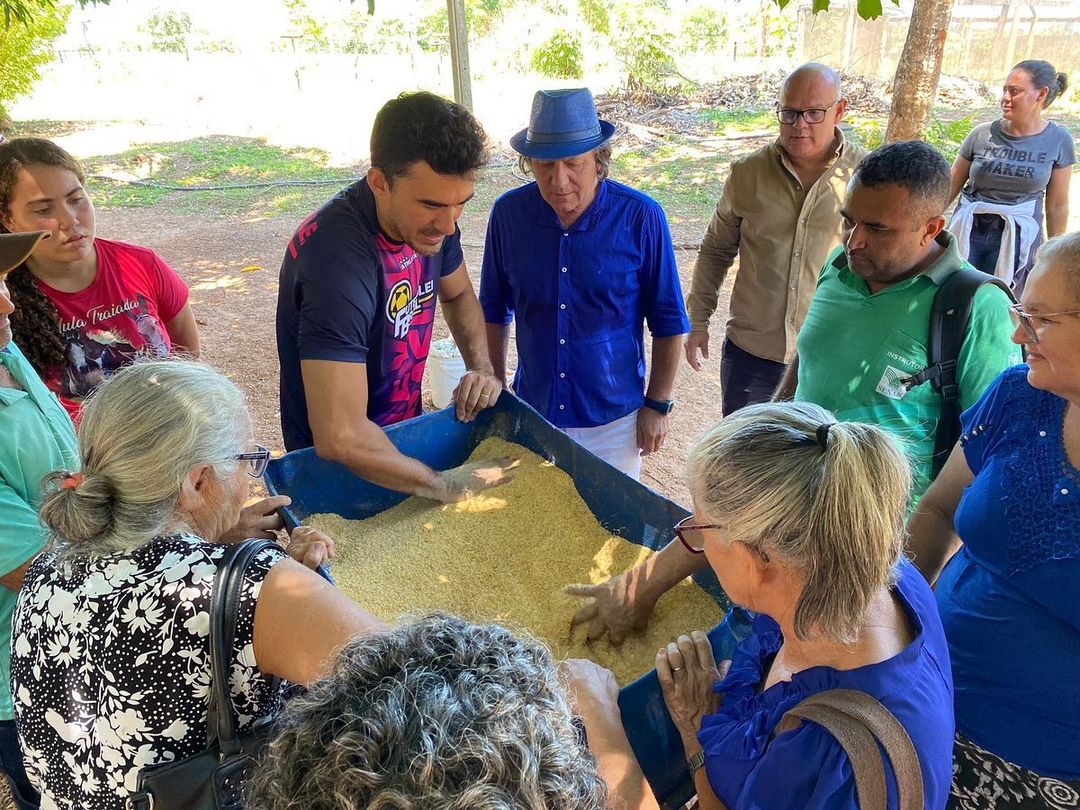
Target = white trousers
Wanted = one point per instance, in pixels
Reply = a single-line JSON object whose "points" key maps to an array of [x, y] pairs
{"points": [[616, 443]]}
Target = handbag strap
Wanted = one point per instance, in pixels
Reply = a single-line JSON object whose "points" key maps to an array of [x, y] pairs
{"points": [[859, 722], [221, 720]]}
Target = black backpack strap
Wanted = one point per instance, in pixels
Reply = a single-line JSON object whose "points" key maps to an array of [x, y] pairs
{"points": [[949, 317]]}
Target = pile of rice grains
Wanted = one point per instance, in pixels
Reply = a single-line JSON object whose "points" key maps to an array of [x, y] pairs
{"points": [[505, 555]]}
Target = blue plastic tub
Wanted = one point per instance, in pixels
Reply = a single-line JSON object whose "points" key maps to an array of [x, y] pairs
{"points": [[622, 506]]}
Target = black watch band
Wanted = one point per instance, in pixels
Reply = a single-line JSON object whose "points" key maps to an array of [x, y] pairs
{"points": [[663, 406], [696, 761]]}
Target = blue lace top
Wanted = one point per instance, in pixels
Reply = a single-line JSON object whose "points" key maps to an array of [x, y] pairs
{"points": [[749, 769], [1009, 599]]}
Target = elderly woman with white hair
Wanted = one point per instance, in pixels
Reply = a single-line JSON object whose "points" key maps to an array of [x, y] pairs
{"points": [[110, 654], [802, 520], [1006, 510]]}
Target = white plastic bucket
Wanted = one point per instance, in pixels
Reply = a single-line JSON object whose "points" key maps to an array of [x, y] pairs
{"points": [[445, 367]]}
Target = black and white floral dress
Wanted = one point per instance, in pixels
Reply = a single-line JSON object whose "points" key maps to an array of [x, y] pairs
{"points": [[110, 666]]}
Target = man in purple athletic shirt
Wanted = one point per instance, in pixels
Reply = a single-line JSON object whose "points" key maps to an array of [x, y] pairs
{"points": [[356, 301]]}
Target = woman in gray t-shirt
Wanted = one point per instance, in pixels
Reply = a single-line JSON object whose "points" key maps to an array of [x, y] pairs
{"points": [[1020, 161]]}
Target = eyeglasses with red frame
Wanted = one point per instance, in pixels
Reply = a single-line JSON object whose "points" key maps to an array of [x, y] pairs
{"points": [[696, 546]]}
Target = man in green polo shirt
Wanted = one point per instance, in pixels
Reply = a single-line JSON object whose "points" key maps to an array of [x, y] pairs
{"points": [[868, 325], [36, 437]]}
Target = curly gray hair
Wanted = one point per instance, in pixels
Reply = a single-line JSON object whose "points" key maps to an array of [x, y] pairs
{"points": [[438, 713]]}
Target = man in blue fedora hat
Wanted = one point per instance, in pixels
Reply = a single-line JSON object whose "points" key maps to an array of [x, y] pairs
{"points": [[582, 263]]}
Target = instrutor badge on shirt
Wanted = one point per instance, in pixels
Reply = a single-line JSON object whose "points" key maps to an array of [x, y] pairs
{"points": [[892, 384]]}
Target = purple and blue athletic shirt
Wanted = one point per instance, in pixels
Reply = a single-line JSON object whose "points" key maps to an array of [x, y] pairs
{"points": [[349, 293]]}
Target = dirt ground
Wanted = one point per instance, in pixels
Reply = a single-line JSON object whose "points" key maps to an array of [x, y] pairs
{"points": [[235, 306]]}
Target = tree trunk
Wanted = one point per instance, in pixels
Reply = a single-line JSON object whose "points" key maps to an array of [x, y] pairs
{"points": [[917, 74]]}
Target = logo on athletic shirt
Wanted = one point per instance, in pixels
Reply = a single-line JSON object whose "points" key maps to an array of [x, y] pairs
{"points": [[402, 305]]}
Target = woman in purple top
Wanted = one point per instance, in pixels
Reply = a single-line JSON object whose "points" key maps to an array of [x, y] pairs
{"points": [[802, 520]]}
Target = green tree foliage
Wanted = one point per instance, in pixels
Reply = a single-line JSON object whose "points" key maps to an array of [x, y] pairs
{"points": [[481, 17], [306, 26], [868, 9], [22, 12], [169, 30], [433, 31], [645, 44], [25, 48], [560, 57], [705, 30], [595, 14]]}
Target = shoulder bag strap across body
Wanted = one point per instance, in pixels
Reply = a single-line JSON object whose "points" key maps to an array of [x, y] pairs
{"points": [[859, 722]]}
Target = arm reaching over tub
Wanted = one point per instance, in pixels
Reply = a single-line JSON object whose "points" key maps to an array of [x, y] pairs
{"points": [[337, 400], [595, 697], [624, 603]]}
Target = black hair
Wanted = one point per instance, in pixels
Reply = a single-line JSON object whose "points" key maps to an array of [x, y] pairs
{"points": [[1042, 74], [35, 322], [913, 165], [427, 127]]}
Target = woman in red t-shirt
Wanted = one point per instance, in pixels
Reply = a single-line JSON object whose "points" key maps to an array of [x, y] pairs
{"points": [[84, 307]]}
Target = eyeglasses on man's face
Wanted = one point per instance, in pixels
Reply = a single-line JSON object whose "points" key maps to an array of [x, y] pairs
{"points": [[257, 460], [1027, 321], [691, 535], [812, 115]]}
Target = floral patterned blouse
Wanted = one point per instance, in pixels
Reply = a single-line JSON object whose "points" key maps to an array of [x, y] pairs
{"points": [[110, 666]]}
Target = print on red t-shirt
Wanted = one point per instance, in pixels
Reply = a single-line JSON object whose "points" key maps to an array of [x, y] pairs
{"points": [[119, 317]]}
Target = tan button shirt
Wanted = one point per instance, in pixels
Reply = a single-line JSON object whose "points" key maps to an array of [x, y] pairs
{"points": [[782, 234]]}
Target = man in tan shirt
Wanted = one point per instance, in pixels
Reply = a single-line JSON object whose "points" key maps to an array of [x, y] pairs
{"points": [[780, 213]]}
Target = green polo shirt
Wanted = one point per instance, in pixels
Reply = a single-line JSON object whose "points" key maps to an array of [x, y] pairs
{"points": [[854, 348], [36, 437]]}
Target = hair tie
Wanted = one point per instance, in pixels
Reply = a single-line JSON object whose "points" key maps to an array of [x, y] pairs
{"points": [[72, 480], [823, 435]]}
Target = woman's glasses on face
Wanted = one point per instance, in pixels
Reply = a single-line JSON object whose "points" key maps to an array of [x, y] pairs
{"points": [[1027, 322], [257, 459], [691, 536]]}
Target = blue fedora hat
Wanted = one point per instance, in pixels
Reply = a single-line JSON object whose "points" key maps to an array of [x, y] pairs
{"points": [[563, 123]]}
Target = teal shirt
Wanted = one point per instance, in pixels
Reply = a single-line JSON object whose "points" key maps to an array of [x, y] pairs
{"points": [[36, 437], [855, 347]]}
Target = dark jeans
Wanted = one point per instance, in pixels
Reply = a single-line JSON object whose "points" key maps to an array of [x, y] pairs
{"points": [[984, 245], [746, 379], [22, 792]]}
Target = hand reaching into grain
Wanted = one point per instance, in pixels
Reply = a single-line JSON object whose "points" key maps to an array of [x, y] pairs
{"points": [[467, 480], [309, 547], [616, 609]]}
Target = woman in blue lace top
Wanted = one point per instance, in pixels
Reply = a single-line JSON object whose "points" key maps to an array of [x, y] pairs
{"points": [[1009, 500]]}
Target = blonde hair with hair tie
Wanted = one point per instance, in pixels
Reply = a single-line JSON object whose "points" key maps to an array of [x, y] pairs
{"points": [[826, 498]]}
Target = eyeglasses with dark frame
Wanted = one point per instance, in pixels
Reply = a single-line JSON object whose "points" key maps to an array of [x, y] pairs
{"points": [[813, 115], [683, 526], [1024, 319], [257, 459]]}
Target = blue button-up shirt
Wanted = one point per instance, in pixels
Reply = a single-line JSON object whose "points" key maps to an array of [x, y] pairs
{"points": [[581, 296]]}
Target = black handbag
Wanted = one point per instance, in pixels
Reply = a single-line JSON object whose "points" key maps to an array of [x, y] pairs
{"points": [[213, 779]]}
